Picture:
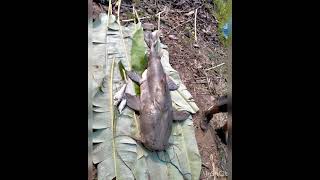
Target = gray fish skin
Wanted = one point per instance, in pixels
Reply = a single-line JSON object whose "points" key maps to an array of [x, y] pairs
{"points": [[155, 106]]}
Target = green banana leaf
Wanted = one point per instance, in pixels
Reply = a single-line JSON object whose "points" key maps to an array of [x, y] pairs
{"points": [[115, 152], [138, 51]]}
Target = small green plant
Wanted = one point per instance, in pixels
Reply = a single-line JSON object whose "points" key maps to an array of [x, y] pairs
{"points": [[223, 11]]}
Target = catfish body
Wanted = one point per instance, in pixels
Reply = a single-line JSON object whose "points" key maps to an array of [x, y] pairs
{"points": [[154, 103], [155, 107]]}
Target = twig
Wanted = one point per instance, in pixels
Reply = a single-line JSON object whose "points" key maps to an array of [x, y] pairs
{"points": [[118, 13], [215, 66], [134, 19], [136, 13], [195, 25], [159, 14], [159, 20], [129, 20]]}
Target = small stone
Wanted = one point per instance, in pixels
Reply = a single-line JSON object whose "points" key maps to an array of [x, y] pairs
{"points": [[196, 45]]}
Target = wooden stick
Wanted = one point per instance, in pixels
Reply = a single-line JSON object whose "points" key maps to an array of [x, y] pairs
{"points": [[129, 20], [215, 66], [195, 25], [136, 13], [159, 21], [159, 14]]}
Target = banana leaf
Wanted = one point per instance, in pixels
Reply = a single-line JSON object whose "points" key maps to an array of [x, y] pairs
{"points": [[115, 152]]}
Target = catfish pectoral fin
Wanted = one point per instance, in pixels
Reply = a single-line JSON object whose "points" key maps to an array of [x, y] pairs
{"points": [[171, 85], [180, 115], [133, 102], [134, 77]]}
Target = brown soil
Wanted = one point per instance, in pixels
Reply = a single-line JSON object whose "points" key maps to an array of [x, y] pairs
{"points": [[191, 59]]}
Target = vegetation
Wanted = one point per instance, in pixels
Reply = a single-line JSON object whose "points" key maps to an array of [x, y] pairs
{"points": [[222, 11]]}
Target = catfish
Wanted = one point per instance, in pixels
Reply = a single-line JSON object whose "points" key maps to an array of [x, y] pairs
{"points": [[154, 103]]}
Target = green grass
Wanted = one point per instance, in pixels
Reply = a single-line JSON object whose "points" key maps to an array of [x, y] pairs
{"points": [[222, 10]]}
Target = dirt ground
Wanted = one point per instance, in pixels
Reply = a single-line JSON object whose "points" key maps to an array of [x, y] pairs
{"points": [[202, 65]]}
